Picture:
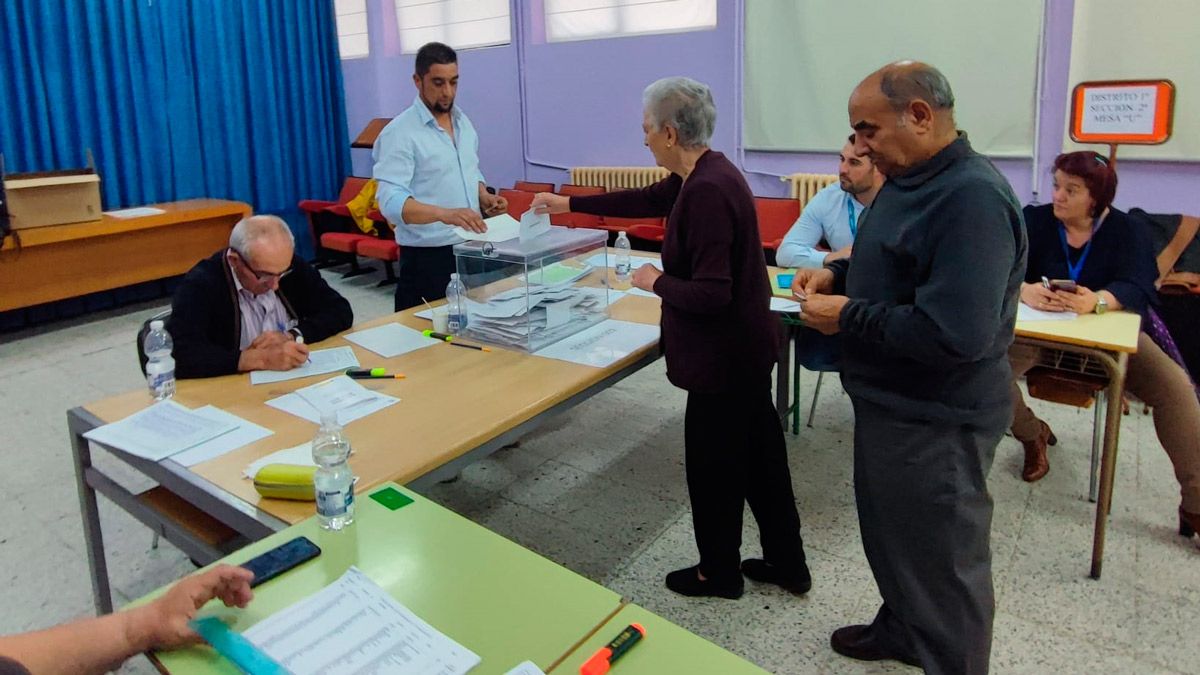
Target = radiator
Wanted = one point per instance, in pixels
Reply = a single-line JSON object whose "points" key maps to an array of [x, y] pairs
{"points": [[804, 185], [617, 177]]}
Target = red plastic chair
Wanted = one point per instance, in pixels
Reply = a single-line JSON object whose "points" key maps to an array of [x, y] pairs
{"points": [[347, 243], [518, 201], [326, 217], [624, 224], [528, 186], [580, 190], [654, 233], [385, 250], [776, 215]]}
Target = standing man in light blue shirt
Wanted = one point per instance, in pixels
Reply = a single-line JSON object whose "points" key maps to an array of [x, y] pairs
{"points": [[427, 166], [832, 214]]}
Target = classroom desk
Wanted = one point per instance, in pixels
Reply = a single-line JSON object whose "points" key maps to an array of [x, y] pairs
{"points": [[501, 601], [667, 648], [1109, 339], [457, 405], [64, 261]]}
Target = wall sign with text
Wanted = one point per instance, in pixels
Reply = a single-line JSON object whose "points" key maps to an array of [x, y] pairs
{"points": [[1122, 111]]}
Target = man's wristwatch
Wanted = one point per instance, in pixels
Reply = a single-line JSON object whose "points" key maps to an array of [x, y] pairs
{"points": [[1101, 305], [295, 333]]}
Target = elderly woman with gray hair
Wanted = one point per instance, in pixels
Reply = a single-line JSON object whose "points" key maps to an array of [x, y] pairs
{"points": [[719, 339]]}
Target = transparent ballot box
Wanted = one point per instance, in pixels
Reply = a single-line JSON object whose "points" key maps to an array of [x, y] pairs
{"points": [[527, 295]]}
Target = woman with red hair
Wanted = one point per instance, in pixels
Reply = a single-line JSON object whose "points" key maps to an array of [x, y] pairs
{"points": [[1105, 262]]}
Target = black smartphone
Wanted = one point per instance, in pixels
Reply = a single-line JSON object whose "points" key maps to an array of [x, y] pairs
{"points": [[281, 559]]}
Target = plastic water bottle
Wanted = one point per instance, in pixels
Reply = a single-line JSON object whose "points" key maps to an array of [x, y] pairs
{"points": [[333, 481], [456, 300], [160, 366], [622, 266]]}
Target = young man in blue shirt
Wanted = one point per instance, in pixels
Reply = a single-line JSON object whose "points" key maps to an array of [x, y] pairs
{"points": [[832, 214], [427, 165]]}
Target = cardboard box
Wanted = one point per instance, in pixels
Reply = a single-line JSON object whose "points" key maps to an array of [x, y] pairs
{"points": [[52, 197]]}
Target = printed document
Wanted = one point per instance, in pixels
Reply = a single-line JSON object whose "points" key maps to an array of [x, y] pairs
{"points": [[391, 339], [244, 433], [603, 344], [159, 431], [350, 399], [320, 361]]}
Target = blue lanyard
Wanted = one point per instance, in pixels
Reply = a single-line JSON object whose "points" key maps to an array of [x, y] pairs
{"points": [[853, 218], [1074, 270]]}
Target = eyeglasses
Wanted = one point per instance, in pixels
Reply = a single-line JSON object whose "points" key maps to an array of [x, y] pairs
{"points": [[263, 277]]}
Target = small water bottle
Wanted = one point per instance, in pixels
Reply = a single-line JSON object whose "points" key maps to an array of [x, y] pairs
{"points": [[456, 301], [333, 482], [622, 265], [160, 365]]}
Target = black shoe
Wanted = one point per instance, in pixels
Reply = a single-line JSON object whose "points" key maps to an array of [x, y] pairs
{"points": [[859, 642], [798, 581], [686, 582]]}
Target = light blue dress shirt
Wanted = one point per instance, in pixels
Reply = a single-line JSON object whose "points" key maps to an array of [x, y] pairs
{"points": [[827, 216], [414, 157]]}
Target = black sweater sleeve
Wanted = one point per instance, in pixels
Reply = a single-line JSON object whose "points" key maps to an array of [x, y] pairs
{"points": [[321, 311], [198, 301], [653, 201]]}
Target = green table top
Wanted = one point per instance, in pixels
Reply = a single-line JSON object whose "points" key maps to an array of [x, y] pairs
{"points": [[501, 601], [667, 648]]}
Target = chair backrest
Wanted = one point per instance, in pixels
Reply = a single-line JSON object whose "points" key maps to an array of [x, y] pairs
{"points": [[528, 186], [775, 216], [141, 336], [580, 190], [351, 188], [519, 201]]}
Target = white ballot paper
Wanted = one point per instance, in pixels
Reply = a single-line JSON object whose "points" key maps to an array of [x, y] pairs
{"points": [[391, 339], [297, 455], [159, 431], [533, 225], [350, 399], [320, 361], [244, 433], [499, 228], [603, 344], [526, 668], [135, 212], [353, 626], [1027, 313], [785, 305]]}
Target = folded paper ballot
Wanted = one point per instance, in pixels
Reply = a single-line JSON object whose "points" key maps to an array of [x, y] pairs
{"points": [[499, 228]]}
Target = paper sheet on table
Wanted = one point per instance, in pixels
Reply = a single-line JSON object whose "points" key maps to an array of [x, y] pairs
{"points": [[390, 339], [426, 314], [136, 212], [635, 261], [499, 228], [159, 431], [243, 434], [299, 455], [526, 668], [644, 294], [350, 399], [321, 361], [354, 626], [603, 344], [1027, 313], [785, 305]]}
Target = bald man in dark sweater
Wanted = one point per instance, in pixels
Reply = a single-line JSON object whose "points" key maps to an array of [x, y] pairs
{"points": [[926, 307]]}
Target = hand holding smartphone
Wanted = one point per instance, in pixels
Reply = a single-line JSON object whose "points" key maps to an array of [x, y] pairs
{"points": [[1066, 285]]}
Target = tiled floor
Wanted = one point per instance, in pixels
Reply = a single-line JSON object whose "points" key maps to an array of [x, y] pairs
{"points": [[601, 491]]}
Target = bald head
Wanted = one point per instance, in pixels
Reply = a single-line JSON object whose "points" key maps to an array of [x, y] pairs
{"points": [[261, 251], [902, 114], [249, 232]]}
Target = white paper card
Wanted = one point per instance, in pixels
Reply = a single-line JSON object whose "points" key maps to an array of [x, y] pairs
{"points": [[526, 668], [350, 399], [603, 344], [785, 305], [300, 455], [644, 294], [353, 626], [426, 314], [1027, 313], [159, 431], [499, 228], [320, 361], [635, 261], [136, 212], [391, 339], [533, 225], [244, 433]]}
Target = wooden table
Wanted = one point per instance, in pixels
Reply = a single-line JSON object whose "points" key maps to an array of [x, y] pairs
{"points": [[457, 405], [1109, 339], [64, 261]]}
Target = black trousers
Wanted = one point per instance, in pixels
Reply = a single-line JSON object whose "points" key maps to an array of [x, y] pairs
{"points": [[926, 519], [735, 453], [424, 273], [1181, 313]]}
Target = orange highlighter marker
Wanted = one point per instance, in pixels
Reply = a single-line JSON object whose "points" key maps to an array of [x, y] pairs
{"points": [[604, 657]]}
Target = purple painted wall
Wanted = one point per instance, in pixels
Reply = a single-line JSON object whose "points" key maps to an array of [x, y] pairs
{"points": [[583, 105]]}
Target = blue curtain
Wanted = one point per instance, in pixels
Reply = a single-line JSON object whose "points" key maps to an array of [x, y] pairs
{"points": [[177, 99]]}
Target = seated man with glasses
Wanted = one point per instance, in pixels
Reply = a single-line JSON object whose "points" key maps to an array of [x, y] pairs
{"points": [[252, 306]]}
